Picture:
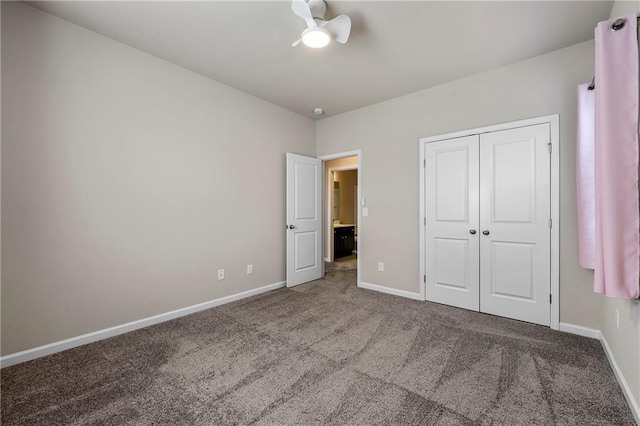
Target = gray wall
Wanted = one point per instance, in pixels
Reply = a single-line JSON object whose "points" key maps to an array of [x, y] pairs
{"points": [[388, 135], [127, 181]]}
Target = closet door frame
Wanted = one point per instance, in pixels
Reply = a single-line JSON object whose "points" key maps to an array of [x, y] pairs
{"points": [[554, 136]]}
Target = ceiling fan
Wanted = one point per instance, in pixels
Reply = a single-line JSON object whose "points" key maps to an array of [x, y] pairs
{"points": [[320, 32]]}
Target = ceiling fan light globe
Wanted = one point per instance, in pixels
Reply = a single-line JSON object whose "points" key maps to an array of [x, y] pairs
{"points": [[316, 37]]}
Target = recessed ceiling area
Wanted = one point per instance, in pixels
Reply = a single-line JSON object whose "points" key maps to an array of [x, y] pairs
{"points": [[395, 47]]}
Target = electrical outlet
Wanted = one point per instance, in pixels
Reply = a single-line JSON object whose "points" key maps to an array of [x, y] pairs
{"points": [[617, 319], [380, 267], [220, 274], [249, 269]]}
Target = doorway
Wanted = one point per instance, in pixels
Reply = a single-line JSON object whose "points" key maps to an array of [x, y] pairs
{"points": [[342, 228], [309, 217]]}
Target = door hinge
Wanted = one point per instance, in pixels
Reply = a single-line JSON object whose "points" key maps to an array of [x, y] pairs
{"points": [[550, 223], [550, 147], [425, 220], [424, 163], [424, 278], [550, 298]]}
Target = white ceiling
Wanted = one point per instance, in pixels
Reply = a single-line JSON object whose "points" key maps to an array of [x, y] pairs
{"points": [[396, 47]]}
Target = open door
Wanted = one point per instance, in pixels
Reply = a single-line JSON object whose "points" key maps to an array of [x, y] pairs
{"points": [[304, 219]]}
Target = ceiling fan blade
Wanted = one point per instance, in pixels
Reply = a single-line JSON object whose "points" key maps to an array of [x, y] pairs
{"points": [[318, 8], [339, 27], [297, 42], [301, 8]]}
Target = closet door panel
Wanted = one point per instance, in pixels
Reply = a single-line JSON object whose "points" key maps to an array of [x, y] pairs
{"points": [[452, 206], [515, 242]]}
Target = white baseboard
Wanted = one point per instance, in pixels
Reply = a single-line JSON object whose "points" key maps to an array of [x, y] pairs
{"points": [[626, 390], [579, 330], [51, 348], [389, 290]]}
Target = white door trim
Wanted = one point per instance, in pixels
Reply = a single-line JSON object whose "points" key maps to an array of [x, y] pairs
{"points": [[357, 153], [554, 126]]}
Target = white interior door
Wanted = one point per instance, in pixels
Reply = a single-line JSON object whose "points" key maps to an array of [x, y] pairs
{"points": [[515, 239], [452, 237], [304, 219]]}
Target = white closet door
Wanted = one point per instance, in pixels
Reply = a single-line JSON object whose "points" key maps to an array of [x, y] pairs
{"points": [[452, 222], [515, 239]]}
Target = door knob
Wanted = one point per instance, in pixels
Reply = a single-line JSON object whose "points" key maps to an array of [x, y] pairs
{"points": [[485, 232], [292, 227], [472, 231]]}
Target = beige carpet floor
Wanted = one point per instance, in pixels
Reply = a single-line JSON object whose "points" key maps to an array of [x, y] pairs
{"points": [[324, 352]]}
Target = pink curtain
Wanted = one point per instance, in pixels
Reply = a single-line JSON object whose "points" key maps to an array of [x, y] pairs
{"points": [[617, 266], [585, 167]]}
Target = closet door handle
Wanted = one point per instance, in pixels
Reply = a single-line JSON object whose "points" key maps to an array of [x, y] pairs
{"points": [[472, 231], [485, 232]]}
